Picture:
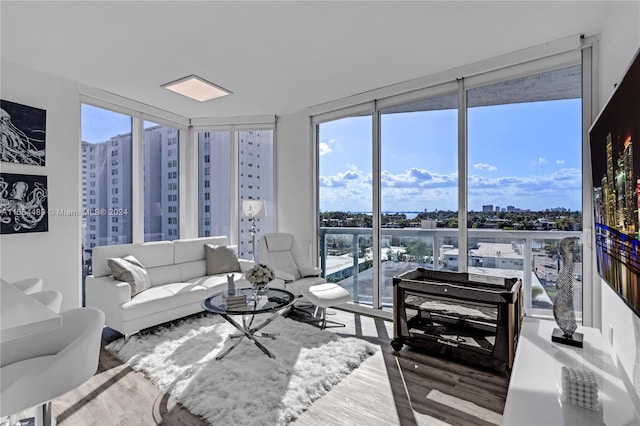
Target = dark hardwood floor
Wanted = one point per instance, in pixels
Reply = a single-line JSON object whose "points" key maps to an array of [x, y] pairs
{"points": [[405, 388]]}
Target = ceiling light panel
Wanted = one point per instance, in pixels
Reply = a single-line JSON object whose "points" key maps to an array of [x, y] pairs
{"points": [[196, 88]]}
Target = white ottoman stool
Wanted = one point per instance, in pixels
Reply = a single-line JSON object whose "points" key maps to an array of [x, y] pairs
{"points": [[324, 296]]}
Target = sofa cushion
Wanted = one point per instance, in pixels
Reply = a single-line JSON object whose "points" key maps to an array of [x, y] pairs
{"points": [[150, 254], [221, 259], [130, 270], [189, 270], [191, 249], [164, 275], [162, 298]]}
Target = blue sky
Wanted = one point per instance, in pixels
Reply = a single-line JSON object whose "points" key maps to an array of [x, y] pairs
{"points": [[99, 125], [526, 155]]}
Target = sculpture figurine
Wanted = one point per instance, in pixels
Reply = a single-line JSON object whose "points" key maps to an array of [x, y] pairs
{"points": [[563, 310], [231, 287]]}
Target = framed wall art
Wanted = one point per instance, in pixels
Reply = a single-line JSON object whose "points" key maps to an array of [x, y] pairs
{"points": [[615, 165], [23, 204], [23, 132]]}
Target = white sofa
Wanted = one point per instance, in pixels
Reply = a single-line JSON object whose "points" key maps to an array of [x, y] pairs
{"points": [[179, 282]]}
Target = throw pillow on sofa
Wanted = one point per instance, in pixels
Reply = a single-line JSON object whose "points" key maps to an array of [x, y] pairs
{"points": [[221, 259], [130, 270]]}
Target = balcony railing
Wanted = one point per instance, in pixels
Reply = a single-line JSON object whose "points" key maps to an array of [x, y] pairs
{"points": [[346, 258]]}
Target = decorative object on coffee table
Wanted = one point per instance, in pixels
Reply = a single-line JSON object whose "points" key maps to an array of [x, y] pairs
{"points": [[259, 276], [231, 286], [563, 310]]}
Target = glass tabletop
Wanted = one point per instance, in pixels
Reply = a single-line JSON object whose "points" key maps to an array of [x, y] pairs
{"points": [[273, 300]]}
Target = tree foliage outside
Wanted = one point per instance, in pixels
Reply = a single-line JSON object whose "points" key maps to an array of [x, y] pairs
{"points": [[515, 220]]}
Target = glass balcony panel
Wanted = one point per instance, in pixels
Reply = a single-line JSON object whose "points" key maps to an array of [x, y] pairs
{"points": [[347, 260]]}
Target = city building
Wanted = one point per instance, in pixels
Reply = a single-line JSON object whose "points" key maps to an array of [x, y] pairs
{"points": [[106, 186]]}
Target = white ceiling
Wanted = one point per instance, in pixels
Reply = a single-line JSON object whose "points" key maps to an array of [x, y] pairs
{"points": [[276, 57]]}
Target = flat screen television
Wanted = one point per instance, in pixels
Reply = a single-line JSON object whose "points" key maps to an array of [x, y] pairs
{"points": [[615, 163]]}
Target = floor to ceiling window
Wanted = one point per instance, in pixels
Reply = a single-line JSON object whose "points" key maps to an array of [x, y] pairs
{"points": [[161, 194], [214, 183], [510, 154], [419, 187], [218, 178], [346, 204], [525, 174], [255, 182], [106, 180]]}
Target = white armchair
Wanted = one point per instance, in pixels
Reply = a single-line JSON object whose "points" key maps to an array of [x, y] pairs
{"points": [[281, 253], [36, 369]]}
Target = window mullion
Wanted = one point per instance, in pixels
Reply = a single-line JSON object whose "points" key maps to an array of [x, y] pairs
{"points": [[137, 179], [376, 187], [463, 260]]}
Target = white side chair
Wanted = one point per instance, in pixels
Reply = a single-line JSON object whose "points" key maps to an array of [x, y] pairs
{"points": [[51, 299], [281, 253], [38, 368], [28, 285]]}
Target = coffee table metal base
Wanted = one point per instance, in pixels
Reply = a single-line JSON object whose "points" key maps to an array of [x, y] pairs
{"points": [[247, 331]]}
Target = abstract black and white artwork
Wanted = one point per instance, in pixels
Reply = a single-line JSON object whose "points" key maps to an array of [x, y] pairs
{"points": [[23, 204], [23, 131]]}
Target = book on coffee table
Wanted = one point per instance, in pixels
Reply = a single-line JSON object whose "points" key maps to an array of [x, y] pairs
{"points": [[237, 301]]}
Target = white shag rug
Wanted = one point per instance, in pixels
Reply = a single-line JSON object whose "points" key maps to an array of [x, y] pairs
{"points": [[246, 387]]}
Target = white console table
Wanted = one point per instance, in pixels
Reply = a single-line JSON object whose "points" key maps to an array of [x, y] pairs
{"points": [[534, 395]]}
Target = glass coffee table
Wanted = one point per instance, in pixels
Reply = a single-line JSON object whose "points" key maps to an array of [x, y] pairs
{"points": [[277, 301]]}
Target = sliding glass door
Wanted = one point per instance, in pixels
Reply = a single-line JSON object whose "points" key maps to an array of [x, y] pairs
{"points": [[525, 179], [346, 204], [419, 187]]}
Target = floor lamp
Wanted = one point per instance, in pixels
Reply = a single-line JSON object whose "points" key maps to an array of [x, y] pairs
{"points": [[253, 209]]}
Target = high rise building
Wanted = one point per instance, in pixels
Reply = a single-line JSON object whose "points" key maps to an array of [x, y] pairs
{"points": [[255, 182], [106, 187], [161, 196]]}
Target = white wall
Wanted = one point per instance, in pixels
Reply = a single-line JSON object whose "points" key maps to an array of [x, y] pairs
{"points": [[54, 255], [619, 42], [294, 179]]}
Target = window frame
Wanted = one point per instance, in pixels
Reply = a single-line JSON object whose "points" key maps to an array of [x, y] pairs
{"points": [[553, 55]]}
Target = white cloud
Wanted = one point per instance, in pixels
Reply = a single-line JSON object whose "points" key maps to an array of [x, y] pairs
{"points": [[324, 148], [484, 166], [560, 161], [353, 175], [539, 161]]}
